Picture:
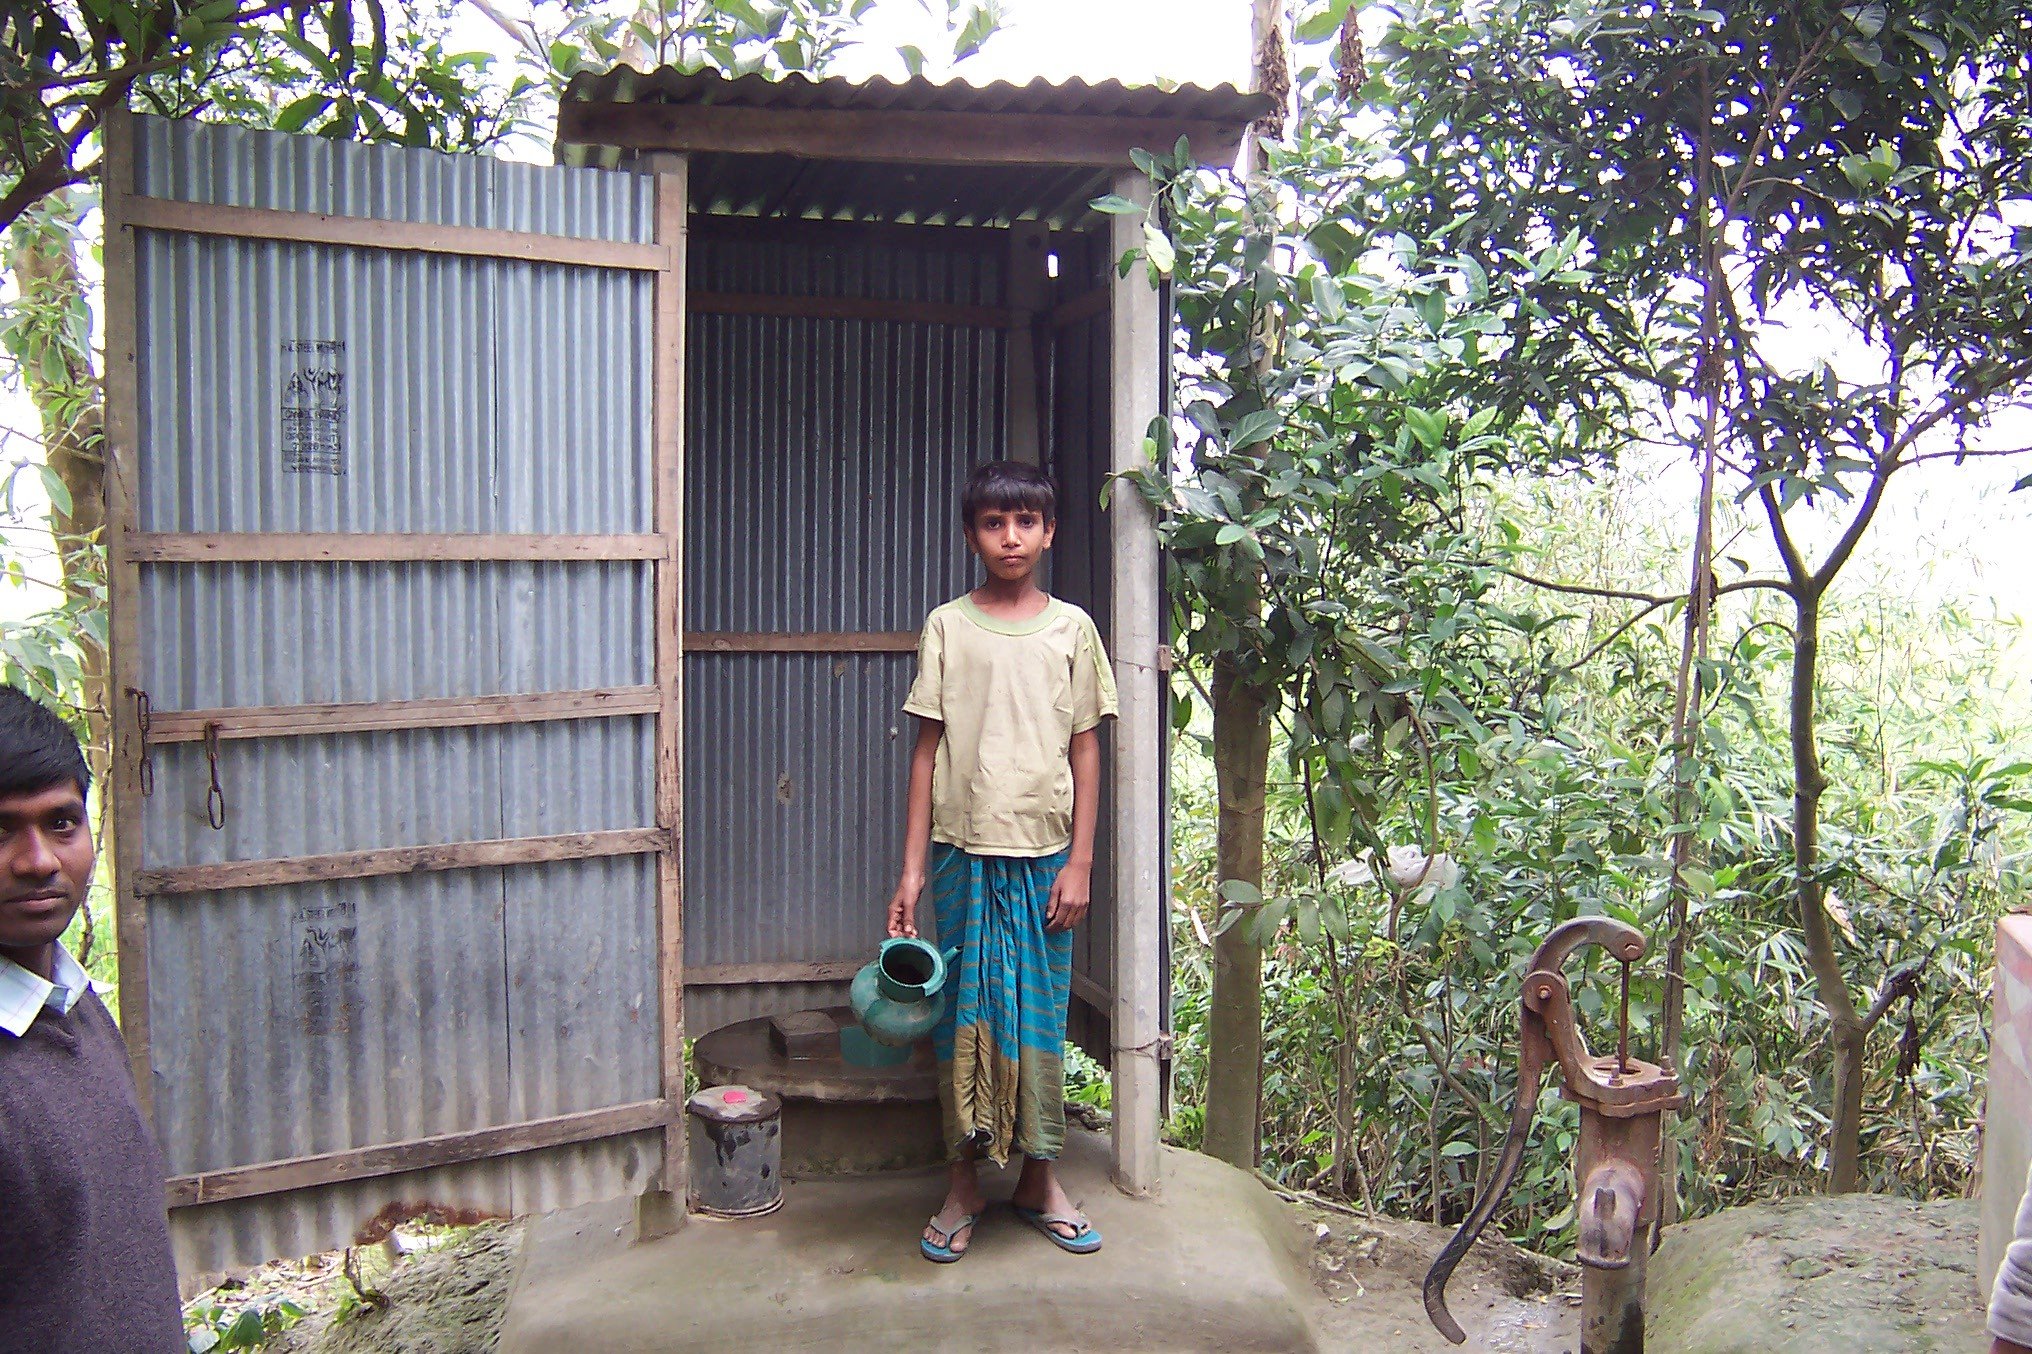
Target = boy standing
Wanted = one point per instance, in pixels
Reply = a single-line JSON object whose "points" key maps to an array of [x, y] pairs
{"points": [[1011, 686], [85, 1263]]}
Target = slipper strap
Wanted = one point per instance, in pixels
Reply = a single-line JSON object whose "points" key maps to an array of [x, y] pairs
{"points": [[946, 1234]]}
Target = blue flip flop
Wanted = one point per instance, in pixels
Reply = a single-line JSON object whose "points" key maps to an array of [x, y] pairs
{"points": [[1084, 1239], [941, 1252]]}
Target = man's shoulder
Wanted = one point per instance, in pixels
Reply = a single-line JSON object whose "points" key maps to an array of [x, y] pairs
{"points": [[88, 1028], [92, 1012]]}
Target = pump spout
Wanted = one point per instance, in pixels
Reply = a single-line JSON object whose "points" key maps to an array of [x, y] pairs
{"points": [[1611, 1201]]}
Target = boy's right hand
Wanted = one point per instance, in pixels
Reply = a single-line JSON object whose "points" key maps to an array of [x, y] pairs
{"points": [[903, 908]]}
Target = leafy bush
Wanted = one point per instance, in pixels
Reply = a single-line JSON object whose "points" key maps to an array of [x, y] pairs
{"points": [[1391, 1013]]}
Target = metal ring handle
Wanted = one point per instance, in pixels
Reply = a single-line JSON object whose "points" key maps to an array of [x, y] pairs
{"points": [[215, 795]]}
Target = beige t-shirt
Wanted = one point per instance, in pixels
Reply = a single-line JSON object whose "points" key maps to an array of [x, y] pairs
{"points": [[1011, 695]]}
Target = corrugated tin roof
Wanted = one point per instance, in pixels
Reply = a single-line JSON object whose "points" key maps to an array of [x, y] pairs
{"points": [[960, 190], [848, 190], [1072, 98]]}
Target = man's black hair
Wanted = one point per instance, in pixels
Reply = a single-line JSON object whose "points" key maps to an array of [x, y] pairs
{"points": [[1008, 486], [38, 751]]}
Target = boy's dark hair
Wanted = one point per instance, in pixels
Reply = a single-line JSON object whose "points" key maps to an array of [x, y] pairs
{"points": [[1008, 486], [38, 751]]}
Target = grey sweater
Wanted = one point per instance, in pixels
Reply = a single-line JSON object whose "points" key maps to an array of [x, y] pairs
{"points": [[85, 1264]]}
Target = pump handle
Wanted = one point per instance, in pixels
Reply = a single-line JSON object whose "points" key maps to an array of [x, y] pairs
{"points": [[1531, 1057]]}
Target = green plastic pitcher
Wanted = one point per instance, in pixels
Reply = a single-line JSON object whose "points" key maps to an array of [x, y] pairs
{"points": [[898, 998]]}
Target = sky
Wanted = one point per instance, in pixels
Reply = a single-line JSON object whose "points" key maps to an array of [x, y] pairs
{"points": [[1944, 532], [1136, 41]]}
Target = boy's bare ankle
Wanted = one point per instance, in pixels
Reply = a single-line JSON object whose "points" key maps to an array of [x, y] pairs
{"points": [[964, 1186]]}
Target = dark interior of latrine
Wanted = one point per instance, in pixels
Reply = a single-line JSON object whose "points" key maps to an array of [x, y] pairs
{"points": [[824, 456]]}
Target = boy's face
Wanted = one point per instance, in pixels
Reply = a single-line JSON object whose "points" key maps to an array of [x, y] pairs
{"points": [[1010, 541], [46, 859]]}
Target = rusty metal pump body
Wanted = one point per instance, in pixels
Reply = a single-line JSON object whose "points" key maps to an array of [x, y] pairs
{"points": [[1622, 1105]]}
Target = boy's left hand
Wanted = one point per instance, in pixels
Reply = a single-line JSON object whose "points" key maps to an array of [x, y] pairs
{"points": [[1071, 892]]}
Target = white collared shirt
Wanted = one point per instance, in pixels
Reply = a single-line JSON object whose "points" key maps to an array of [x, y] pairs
{"points": [[23, 995]]}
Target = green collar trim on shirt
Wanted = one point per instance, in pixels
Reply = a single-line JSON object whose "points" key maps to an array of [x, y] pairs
{"points": [[1052, 607]]}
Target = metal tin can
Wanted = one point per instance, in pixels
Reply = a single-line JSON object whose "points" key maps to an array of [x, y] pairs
{"points": [[736, 1148]]}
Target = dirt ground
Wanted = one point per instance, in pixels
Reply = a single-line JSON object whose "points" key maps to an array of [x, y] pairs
{"points": [[445, 1297], [449, 1300], [1864, 1275], [1370, 1272]]}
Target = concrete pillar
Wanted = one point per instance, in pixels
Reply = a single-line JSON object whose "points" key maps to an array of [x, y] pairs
{"points": [[2007, 1124], [1136, 347]]}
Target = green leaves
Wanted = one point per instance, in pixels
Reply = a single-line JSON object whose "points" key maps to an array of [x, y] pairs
{"points": [[983, 19], [1323, 22], [1253, 428], [1241, 893], [215, 1330], [1427, 426], [301, 111], [1157, 248], [1869, 19]]}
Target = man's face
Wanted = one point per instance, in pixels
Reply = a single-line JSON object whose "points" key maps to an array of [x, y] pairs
{"points": [[46, 859]]}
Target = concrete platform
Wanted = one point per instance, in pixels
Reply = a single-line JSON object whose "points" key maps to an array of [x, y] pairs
{"points": [[1212, 1263]]}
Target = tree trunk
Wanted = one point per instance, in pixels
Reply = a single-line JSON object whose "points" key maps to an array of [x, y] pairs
{"points": [[1688, 692], [41, 253], [1234, 1118], [1235, 1009], [1847, 1030]]}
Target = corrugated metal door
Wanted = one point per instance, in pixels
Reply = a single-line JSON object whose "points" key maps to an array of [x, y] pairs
{"points": [[844, 382], [392, 642], [1079, 456]]}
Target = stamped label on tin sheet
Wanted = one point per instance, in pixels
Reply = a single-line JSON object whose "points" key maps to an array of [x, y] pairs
{"points": [[314, 406], [326, 966]]}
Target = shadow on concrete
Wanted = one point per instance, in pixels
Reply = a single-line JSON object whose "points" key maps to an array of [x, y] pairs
{"points": [[1214, 1262]]}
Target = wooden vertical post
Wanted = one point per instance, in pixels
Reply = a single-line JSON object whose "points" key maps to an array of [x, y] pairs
{"points": [[1136, 345], [664, 1212], [1027, 289], [123, 598]]}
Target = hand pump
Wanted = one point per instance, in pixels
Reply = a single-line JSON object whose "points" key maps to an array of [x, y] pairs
{"points": [[1622, 1102]]}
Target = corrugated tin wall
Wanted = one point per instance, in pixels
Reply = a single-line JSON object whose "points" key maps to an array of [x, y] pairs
{"points": [[482, 396], [824, 463], [1081, 573]]}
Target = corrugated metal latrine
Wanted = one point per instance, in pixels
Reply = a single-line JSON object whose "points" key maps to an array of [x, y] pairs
{"points": [[300, 1019], [824, 458]]}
